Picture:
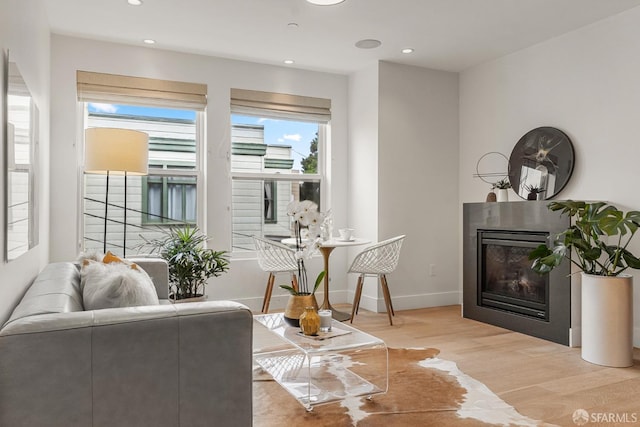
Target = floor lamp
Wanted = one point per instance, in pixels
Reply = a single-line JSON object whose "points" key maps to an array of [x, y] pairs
{"points": [[111, 151]]}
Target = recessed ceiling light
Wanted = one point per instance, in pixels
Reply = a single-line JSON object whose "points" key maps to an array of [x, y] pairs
{"points": [[368, 43], [325, 2], [149, 41], [407, 50], [288, 61], [292, 25], [135, 2]]}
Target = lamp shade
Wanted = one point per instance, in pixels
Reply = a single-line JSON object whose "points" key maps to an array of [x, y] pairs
{"points": [[116, 150]]}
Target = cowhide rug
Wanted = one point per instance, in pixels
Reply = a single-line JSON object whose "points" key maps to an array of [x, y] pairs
{"points": [[423, 391]]}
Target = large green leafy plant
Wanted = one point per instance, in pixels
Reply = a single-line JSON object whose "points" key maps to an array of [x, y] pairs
{"points": [[596, 241], [190, 263]]}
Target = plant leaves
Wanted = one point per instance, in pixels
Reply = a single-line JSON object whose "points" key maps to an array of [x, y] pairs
{"points": [[592, 253], [318, 280], [539, 252], [630, 259], [545, 259], [290, 289]]}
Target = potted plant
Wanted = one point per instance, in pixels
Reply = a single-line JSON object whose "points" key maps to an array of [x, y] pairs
{"points": [[502, 186], [190, 263], [597, 244], [532, 192], [306, 218]]}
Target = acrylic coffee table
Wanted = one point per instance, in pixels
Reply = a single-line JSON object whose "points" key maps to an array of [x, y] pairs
{"points": [[319, 370]]}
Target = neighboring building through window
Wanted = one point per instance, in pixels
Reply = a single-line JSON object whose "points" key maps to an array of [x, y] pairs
{"points": [[267, 163], [167, 196]]}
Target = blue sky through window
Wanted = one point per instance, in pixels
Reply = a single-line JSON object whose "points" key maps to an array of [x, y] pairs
{"points": [[134, 110], [298, 135]]}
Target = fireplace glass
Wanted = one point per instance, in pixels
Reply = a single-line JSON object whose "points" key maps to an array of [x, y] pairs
{"points": [[506, 279]]}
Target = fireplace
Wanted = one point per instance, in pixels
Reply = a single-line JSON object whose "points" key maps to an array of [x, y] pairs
{"points": [[505, 279], [499, 286]]}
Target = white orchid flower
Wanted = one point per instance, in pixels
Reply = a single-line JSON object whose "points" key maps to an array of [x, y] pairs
{"points": [[314, 230], [302, 217], [293, 208], [308, 206], [312, 219]]}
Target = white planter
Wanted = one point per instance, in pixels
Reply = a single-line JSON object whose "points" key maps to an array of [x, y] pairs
{"points": [[200, 298], [502, 195], [607, 320]]}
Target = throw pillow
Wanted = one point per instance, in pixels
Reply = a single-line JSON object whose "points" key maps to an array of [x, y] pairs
{"points": [[110, 258], [115, 285], [85, 257]]}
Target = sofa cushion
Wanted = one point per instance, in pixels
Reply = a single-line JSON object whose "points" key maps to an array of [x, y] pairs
{"points": [[55, 290], [115, 285]]}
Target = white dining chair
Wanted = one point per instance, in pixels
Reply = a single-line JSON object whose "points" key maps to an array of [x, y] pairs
{"points": [[275, 258], [377, 260]]}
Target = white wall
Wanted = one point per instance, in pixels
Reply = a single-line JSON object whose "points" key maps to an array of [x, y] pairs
{"points": [[584, 83], [244, 283], [363, 154], [403, 163], [24, 32], [363, 170], [418, 181]]}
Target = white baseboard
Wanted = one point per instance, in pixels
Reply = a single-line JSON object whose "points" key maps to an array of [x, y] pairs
{"points": [[575, 336], [410, 302]]}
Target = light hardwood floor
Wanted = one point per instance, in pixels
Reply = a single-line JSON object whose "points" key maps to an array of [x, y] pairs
{"points": [[541, 379]]}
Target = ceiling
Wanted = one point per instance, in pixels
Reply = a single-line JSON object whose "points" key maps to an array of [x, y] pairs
{"points": [[447, 35]]}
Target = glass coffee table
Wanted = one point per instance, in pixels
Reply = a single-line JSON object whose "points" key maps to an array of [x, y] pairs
{"points": [[320, 369]]}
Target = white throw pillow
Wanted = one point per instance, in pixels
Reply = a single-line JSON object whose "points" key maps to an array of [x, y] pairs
{"points": [[116, 285]]}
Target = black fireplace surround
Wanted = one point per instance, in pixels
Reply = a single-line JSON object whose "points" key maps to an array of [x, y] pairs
{"points": [[499, 286]]}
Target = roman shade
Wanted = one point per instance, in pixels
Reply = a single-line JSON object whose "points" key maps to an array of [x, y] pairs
{"points": [[280, 105], [101, 87]]}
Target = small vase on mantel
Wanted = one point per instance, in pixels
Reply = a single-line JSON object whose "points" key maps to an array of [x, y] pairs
{"points": [[296, 306], [502, 195], [310, 321]]}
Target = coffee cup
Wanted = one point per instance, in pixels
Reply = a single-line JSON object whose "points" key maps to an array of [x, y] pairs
{"points": [[345, 233]]}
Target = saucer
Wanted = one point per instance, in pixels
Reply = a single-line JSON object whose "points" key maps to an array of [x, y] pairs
{"points": [[346, 240]]}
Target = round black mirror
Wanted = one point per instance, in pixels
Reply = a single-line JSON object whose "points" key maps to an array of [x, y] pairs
{"points": [[541, 163]]}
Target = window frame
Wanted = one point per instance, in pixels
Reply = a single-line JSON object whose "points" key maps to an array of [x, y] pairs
{"points": [[198, 172], [320, 177]]}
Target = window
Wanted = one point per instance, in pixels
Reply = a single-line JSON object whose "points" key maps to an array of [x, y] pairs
{"points": [[270, 201], [172, 191], [277, 155], [169, 200]]}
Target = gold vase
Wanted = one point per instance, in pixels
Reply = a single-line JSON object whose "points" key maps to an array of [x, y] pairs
{"points": [[295, 307], [310, 321]]}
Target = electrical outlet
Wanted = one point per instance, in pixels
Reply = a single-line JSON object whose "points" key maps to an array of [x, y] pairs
{"points": [[432, 269]]}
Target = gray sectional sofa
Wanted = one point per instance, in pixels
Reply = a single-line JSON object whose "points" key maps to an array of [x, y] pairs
{"points": [[161, 365]]}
